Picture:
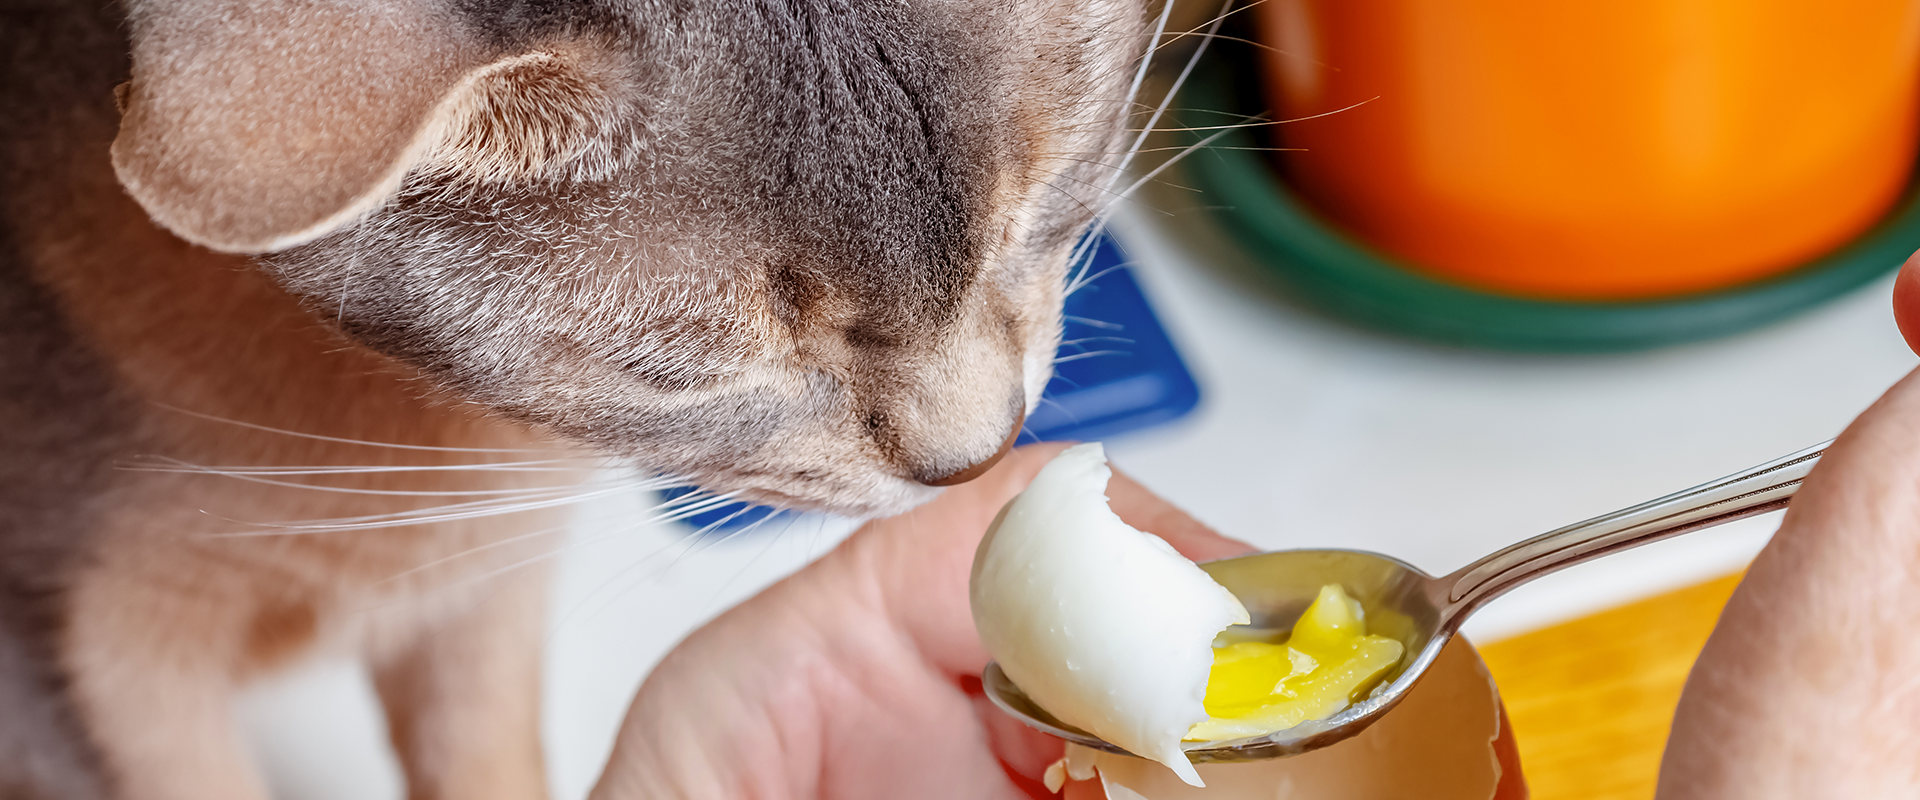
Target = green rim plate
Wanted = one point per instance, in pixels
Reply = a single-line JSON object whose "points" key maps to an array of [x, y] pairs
{"points": [[1336, 271]]}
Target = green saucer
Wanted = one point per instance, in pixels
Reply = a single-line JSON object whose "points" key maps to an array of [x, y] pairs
{"points": [[1338, 272]]}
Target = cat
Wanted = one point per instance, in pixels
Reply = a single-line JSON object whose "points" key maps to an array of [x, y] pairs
{"points": [[297, 299]]}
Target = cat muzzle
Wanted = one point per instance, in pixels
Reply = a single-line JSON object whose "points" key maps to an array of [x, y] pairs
{"points": [[980, 467]]}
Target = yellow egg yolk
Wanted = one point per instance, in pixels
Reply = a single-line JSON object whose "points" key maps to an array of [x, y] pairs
{"points": [[1329, 661]]}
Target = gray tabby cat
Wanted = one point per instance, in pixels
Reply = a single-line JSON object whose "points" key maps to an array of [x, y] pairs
{"points": [[810, 252]]}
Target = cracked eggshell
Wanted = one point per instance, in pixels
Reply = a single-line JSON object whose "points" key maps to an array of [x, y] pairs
{"points": [[1448, 740], [1107, 628]]}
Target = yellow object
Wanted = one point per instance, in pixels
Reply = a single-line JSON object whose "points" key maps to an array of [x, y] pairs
{"points": [[1591, 700], [1256, 688]]}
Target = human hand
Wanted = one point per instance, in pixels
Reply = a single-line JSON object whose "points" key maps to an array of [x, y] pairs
{"points": [[1810, 684], [859, 676]]}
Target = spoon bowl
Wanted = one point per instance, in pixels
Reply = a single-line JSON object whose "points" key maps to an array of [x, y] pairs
{"points": [[1276, 589], [1422, 611]]}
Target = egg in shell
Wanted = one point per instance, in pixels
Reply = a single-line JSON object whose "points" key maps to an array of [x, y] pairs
{"points": [[1448, 740], [1112, 631], [1107, 627]]}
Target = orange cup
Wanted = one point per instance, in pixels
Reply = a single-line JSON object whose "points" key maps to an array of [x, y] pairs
{"points": [[1597, 151]]}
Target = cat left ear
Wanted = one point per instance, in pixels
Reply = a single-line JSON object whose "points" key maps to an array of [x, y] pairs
{"points": [[258, 126]]}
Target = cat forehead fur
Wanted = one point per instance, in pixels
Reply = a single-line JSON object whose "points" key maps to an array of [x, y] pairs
{"points": [[808, 251]]}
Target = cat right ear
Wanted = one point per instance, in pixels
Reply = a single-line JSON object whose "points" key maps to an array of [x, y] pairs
{"points": [[257, 126]]}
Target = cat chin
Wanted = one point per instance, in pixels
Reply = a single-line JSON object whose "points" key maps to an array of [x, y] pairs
{"points": [[887, 497]]}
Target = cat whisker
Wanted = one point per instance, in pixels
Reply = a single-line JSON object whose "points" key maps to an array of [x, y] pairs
{"points": [[342, 440], [465, 511], [1082, 255], [1082, 283], [1085, 339], [1067, 155], [1063, 156], [1091, 354], [674, 511], [1146, 61], [168, 464], [1098, 188], [703, 541], [1197, 146], [1118, 197], [1175, 159], [1174, 89], [1232, 10], [1094, 323], [690, 543], [618, 531], [397, 577], [1045, 400], [1223, 37], [1227, 147], [1121, 152], [1340, 110], [493, 573], [1072, 417], [685, 511], [693, 494], [510, 492], [1265, 123], [1100, 223], [771, 537], [1070, 196], [1261, 45], [1093, 101], [1226, 11]]}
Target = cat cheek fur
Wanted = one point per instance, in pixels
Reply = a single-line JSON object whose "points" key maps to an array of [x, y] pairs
{"points": [[817, 276]]}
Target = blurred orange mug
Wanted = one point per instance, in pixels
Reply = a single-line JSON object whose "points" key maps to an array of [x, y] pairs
{"points": [[1602, 151]]}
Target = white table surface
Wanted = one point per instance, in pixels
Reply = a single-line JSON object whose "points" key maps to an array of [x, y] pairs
{"points": [[1310, 433]]}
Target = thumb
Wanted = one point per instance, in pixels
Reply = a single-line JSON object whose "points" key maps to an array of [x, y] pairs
{"points": [[1906, 301], [1141, 508], [1806, 687]]}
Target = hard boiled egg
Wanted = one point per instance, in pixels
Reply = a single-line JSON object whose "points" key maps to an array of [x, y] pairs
{"points": [[1106, 627]]}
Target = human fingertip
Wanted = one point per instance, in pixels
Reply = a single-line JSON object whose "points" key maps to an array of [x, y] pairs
{"points": [[1028, 459], [1906, 301], [1143, 509]]}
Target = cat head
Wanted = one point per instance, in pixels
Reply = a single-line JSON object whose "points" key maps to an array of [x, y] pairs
{"points": [[808, 251]]}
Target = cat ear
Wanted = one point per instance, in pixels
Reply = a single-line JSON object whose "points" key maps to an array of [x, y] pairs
{"points": [[257, 126]]}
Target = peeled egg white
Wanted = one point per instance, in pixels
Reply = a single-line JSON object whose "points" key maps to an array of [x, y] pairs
{"points": [[1107, 628]]}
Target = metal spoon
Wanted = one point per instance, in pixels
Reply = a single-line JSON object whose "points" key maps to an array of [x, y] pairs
{"points": [[1424, 612]]}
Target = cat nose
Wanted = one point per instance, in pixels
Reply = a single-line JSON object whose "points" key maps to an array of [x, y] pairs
{"points": [[979, 468]]}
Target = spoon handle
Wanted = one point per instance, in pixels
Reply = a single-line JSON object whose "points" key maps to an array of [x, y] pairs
{"points": [[1755, 491]]}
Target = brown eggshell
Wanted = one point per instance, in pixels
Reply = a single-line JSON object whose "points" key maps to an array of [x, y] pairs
{"points": [[1448, 740]]}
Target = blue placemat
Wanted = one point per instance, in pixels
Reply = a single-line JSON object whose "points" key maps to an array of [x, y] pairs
{"points": [[1116, 372]]}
